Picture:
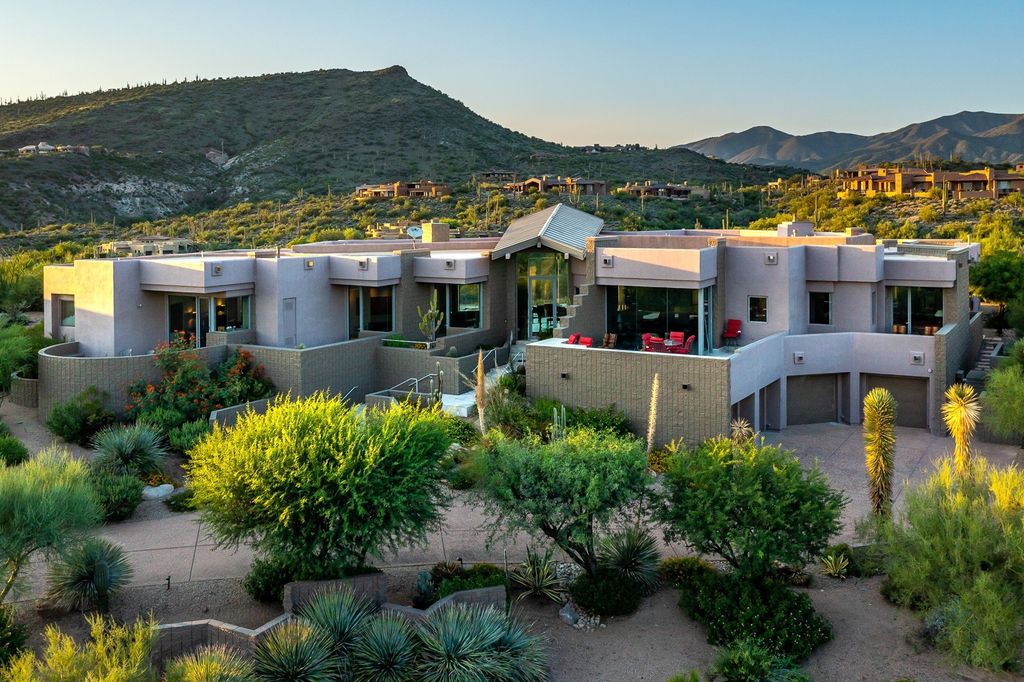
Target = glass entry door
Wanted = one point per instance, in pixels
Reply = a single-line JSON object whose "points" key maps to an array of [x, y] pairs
{"points": [[542, 305]]}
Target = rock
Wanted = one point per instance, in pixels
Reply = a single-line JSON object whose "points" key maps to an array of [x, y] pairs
{"points": [[157, 492], [569, 615]]}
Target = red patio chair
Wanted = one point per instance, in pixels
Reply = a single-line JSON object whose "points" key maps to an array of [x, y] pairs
{"points": [[732, 331], [646, 341], [677, 337], [689, 344], [573, 339], [657, 344], [587, 341]]}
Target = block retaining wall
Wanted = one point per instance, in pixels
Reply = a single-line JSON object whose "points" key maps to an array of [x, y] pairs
{"points": [[24, 392]]}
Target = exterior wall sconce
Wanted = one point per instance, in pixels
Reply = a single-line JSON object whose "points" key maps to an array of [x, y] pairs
{"points": [[686, 387], [564, 375]]}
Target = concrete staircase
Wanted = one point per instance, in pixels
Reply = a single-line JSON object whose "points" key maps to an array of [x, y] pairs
{"points": [[565, 322], [988, 348]]}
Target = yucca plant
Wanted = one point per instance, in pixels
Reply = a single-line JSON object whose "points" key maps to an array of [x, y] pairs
{"points": [[526, 651], [537, 574], [295, 652], [879, 447], [341, 615], [835, 565], [633, 555], [88, 575], [740, 430], [135, 450], [961, 412], [386, 652], [210, 664]]}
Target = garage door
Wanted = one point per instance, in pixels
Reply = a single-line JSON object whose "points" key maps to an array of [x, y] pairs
{"points": [[911, 397], [811, 399]]}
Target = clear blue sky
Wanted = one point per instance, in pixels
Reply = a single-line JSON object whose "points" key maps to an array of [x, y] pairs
{"points": [[574, 72]]}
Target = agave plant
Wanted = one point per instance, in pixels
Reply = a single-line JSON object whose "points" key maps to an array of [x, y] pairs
{"points": [[88, 575], [210, 664], [835, 565], [961, 412], [879, 446], [341, 615], [136, 450], [633, 555], [472, 642], [740, 430], [537, 574], [386, 652], [295, 651]]}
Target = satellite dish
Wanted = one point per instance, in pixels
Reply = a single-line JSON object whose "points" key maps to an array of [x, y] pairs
{"points": [[414, 231]]}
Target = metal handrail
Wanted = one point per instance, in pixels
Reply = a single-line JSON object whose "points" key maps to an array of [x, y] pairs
{"points": [[350, 391], [415, 382]]}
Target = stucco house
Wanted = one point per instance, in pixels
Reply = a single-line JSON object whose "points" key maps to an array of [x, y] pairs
{"points": [[822, 318]]}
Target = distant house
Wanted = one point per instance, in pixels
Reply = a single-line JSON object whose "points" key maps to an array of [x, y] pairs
{"points": [[156, 245], [981, 183], [499, 176], [45, 148], [669, 190], [547, 183], [27, 149], [388, 190]]}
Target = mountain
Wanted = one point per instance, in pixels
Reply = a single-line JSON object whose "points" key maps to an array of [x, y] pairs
{"points": [[973, 136], [275, 136]]}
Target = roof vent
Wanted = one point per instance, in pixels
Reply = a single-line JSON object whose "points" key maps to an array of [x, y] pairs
{"points": [[449, 264], [607, 261]]}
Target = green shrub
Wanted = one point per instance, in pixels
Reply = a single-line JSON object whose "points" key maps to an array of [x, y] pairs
{"points": [[12, 451], [118, 494], [632, 555], [136, 450], [509, 412], [692, 676], [294, 651], [76, 420], [748, 661], [538, 576], [266, 579], [89, 575], [600, 419], [210, 664], [732, 608], [163, 419], [459, 430], [682, 570], [386, 651], [12, 635], [470, 581], [5, 430], [376, 478], [464, 468], [606, 594], [959, 551], [470, 642], [864, 561], [751, 503], [182, 502], [111, 652], [185, 437]]}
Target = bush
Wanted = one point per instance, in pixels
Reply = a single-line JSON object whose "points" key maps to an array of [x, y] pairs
{"points": [[606, 594], [12, 635], [565, 489], [318, 486], [732, 609], [386, 651], [182, 502], [118, 494], [294, 651], [5, 430], [266, 579], [631, 555], [682, 570], [750, 503], [959, 549], [600, 419], [459, 430], [464, 468], [185, 437], [210, 664], [470, 581], [509, 412], [89, 575], [111, 652], [12, 451], [538, 575], [76, 420], [748, 661], [163, 419], [135, 450]]}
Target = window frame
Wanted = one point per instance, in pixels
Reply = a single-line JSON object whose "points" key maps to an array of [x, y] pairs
{"points": [[61, 302], [750, 299], [810, 308]]}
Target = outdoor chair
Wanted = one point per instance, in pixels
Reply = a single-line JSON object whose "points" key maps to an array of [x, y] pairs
{"points": [[610, 341], [587, 341], [677, 337], [732, 332], [685, 348], [646, 341], [657, 344], [573, 339]]}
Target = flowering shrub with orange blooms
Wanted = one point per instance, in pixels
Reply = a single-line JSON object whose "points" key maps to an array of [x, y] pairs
{"points": [[188, 391]]}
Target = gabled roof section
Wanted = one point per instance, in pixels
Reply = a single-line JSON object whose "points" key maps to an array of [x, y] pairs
{"points": [[560, 228]]}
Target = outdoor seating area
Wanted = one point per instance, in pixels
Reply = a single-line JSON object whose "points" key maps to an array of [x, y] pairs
{"points": [[677, 342]]}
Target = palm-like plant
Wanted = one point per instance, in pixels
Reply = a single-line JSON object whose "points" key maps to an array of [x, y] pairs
{"points": [[740, 430], [386, 652], [295, 651], [210, 664], [88, 575], [537, 574], [136, 450], [341, 615], [471, 642], [633, 555], [961, 412], [879, 447]]}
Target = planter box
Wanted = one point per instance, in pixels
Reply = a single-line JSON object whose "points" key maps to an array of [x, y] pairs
{"points": [[24, 392]]}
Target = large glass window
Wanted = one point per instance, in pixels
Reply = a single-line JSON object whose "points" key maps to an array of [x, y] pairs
{"points": [[542, 292], [635, 311], [67, 312], [460, 303], [820, 307], [181, 316], [231, 313], [916, 310], [378, 309], [757, 308]]}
